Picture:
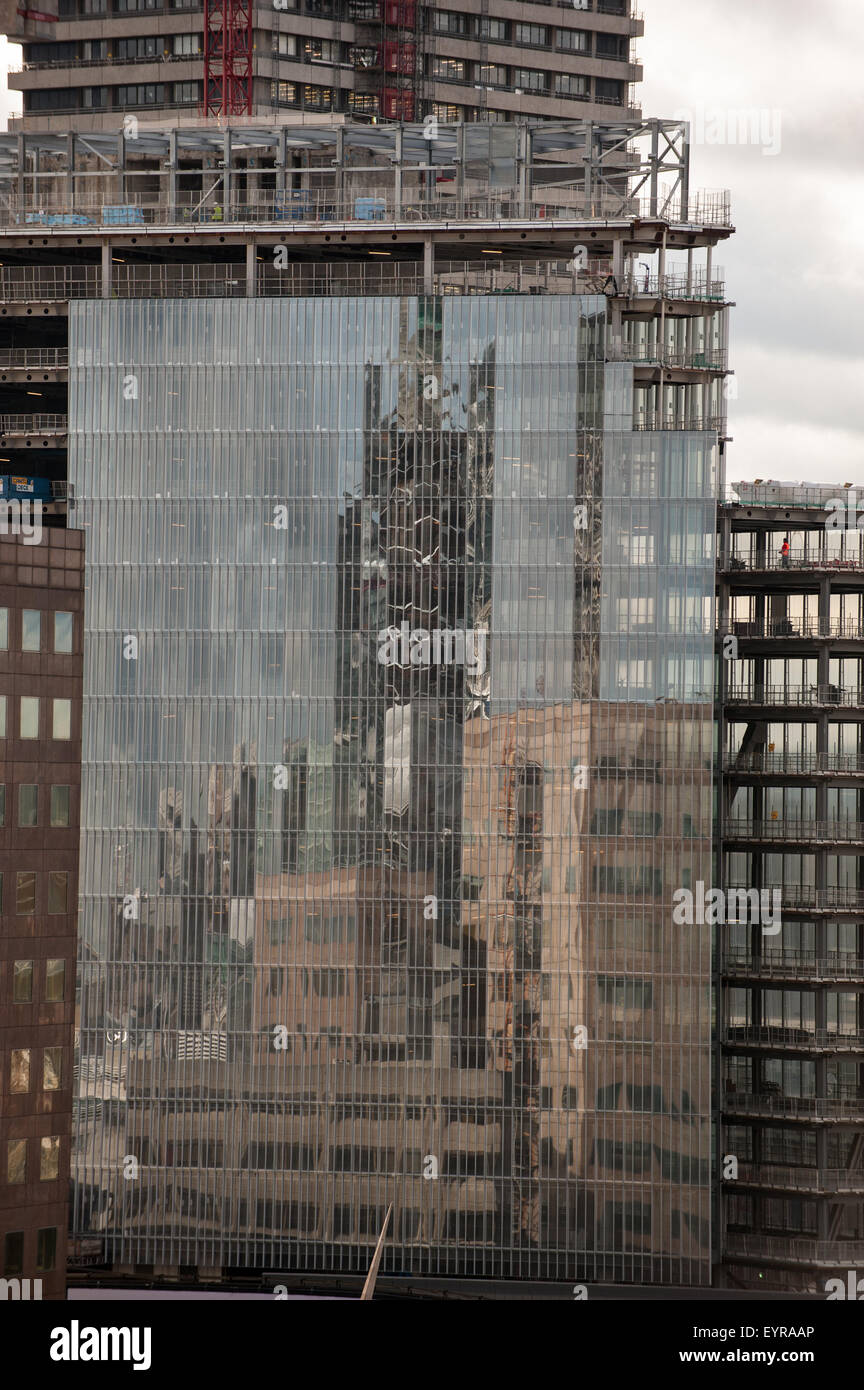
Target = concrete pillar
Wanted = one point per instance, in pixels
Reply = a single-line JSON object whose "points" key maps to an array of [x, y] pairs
{"points": [[226, 180], [172, 168], [397, 181], [428, 266], [107, 267], [251, 270]]}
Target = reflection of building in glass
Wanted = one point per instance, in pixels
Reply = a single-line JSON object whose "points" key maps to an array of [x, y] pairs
{"points": [[394, 930]]}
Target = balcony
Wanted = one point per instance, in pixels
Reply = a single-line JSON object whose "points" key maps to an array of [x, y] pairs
{"points": [[791, 965], [650, 354], [796, 831], [795, 695], [804, 896], [314, 206], [842, 1109], [851, 629], [793, 764], [783, 1177], [774, 1039], [785, 1250], [802, 559], [23, 431]]}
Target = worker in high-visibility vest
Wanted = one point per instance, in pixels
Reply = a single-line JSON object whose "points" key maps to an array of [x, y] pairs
{"points": [[216, 215]]}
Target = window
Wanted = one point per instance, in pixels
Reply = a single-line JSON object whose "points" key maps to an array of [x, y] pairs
{"points": [[494, 29], [529, 79], [609, 90], [94, 97], [60, 805], [22, 982], [46, 1249], [447, 22], [283, 93], [449, 69], [19, 1078], [145, 94], [16, 1160], [532, 35], [191, 43], [52, 1068], [611, 46], [55, 980], [573, 40], [490, 74], [61, 719], [2, 803], [186, 93], [568, 84], [4, 629], [58, 891], [49, 1158], [286, 44], [28, 802], [325, 50], [138, 48], [13, 1253], [318, 98], [62, 632], [25, 893], [29, 716]]}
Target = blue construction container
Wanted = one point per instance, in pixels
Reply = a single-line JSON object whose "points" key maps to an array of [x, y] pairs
{"points": [[370, 209], [12, 485], [123, 215]]}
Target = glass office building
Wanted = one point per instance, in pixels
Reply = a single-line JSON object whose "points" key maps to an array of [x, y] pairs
{"points": [[397, 743]]}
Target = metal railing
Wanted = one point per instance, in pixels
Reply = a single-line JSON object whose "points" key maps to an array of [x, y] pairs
{"points": [[795, 1107], [34, 357], [50, 282], [818, 1039], [800, 1179], [796, 627], [785, 964], [782, 494], [756, 694], [654, 420], [806, 895], [798, 1249], [33, 424], [793, 763], [378, 205], [746, 829], [653, 354], [796, 560]]}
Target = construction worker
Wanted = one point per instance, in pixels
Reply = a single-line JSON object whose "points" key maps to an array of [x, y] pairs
{"points": [[216, 215], [784, 553]]}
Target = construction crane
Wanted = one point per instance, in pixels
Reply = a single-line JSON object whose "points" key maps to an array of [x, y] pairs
{"points": [[227, 58]]}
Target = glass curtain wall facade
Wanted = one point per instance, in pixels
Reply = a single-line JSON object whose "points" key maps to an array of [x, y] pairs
{"points": [[397, 743]]}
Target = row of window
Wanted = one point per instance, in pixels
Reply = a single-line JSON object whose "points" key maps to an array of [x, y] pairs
{"points": [[20, 1068], [117, 50], [30, 717], [23, 975], [17, 1165], [610, 46], [13, 1251], [59, 805], [38, 632], [563, 84], [107, 98]]}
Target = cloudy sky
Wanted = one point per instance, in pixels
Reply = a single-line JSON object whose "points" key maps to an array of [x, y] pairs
{"points": [[796, 266]]}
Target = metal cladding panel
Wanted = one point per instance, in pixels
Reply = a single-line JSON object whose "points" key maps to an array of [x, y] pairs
{"points": [[381, 824]]}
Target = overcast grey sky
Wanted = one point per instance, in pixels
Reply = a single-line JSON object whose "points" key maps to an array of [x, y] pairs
{"points": [[796, 266]]}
